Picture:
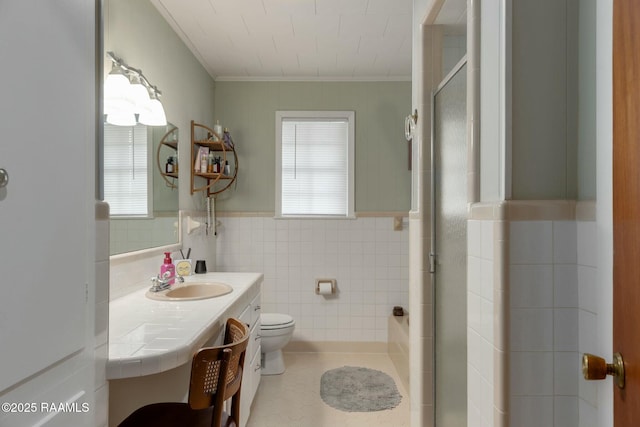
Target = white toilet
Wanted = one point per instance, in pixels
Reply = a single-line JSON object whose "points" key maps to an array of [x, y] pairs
{"points": [[275, 331]]}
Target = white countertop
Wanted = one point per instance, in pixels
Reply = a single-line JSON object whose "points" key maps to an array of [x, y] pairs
{"points": [[148, 337]]}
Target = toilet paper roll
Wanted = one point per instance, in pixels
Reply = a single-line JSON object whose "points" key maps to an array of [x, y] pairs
{"points": [[325, 288]]}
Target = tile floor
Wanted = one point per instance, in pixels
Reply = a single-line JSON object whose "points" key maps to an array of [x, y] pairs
{"points": [[293, 398]]}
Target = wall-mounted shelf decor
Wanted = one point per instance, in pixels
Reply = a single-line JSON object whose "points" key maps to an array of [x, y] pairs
{"points": [[170, 140], [212, 161]]}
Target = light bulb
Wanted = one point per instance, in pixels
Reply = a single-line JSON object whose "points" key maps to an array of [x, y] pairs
{"points": [[138, 94], [121, 119], [155, 115], [116, 88]]}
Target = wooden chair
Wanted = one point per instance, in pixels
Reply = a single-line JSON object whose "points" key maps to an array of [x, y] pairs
{"points": [[216, 376]]}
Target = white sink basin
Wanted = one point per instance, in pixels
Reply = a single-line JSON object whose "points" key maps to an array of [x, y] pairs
{"points": [[191, 291]]}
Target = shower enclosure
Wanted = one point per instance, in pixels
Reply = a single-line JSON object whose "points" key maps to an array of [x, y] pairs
{"points": [[448, 257]]}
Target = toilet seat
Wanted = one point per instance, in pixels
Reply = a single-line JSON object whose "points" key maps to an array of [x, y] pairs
{"points": [[271, 321]]}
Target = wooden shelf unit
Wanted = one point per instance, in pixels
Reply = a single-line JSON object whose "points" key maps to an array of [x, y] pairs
{"points": [[168, 140], [215, 183]]}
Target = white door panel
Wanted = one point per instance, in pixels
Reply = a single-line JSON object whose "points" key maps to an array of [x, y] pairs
{"points": [[47, 138]]}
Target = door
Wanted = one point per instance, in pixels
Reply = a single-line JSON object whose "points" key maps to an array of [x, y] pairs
{"points": [[47, 128], [449, 213], [626, 207]]}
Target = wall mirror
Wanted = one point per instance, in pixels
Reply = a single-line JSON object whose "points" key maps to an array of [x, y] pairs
{"points": [[141, 186]]}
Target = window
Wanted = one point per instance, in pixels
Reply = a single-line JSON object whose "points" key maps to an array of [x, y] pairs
{"points": [[314, 163], [126, 170]]}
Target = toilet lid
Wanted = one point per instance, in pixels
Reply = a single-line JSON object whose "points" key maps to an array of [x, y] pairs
{"points": [[275, 320]]}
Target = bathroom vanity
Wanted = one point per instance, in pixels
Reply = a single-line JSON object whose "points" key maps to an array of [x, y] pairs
{"points": [[151, 342]]}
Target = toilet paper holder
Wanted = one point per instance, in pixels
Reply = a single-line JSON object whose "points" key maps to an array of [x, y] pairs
{"points": [[330, 281]]}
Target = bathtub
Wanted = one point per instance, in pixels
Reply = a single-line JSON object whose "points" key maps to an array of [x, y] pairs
{"points": [[398, 346]]}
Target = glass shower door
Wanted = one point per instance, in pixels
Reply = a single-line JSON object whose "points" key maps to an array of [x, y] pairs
{"points": [[449, 244]]}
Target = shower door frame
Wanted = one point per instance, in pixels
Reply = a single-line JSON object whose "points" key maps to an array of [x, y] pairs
{"points": [[433, 253]]}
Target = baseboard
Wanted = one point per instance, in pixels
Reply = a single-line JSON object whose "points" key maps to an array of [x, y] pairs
{"points": [[335, 347]]}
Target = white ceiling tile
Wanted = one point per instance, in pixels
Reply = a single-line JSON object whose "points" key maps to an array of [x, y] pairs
{"points": [[389, 7], [290, 59], [382, 45], [359, 60], [253, 46], [309, 60], [270, 72], [243, 60], [272, 64], [232, 71], [174, 14], [308, 25], [338, 45], [266, 26], [341, 7], [176, 7], [399, 25], [295, 44], [451, 12], [300, 71], [225, 7], [217, 26], [335, 71], [290, 7], [370, 71], [363, 25], [295, 38], [399, 69]]}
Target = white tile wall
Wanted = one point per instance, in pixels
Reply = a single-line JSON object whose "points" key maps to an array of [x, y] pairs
{"points": [[588, 337], [369, 260], [480, 327], [544, 282]]}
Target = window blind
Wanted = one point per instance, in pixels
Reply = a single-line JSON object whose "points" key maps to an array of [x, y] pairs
{"points": [[126, 164], [315, 166]]}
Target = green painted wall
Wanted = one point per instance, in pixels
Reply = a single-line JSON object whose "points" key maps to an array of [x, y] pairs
{"points": [[383, 181], [136, 32], [587, 100], [544, 99]]}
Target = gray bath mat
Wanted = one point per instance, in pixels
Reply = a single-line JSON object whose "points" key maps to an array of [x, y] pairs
{"points": [[354, 389]]}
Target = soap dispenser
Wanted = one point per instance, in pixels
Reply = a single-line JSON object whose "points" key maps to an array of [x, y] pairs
{"points": [[168, 267]]}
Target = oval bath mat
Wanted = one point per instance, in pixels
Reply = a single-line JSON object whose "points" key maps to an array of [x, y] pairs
{"points": [[357, 389]]}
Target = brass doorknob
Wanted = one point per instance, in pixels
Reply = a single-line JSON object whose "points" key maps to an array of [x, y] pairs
{"points": [[595, 368]]}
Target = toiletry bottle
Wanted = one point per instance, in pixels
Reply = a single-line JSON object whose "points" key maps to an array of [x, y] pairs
{"points": [[228, 141], [204, 162], [169, 166], [168, 268], [210, 164], [218, 129], [227, 169]]}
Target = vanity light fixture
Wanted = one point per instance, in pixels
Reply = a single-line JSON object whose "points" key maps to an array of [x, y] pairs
{"points": [[130, 98], [121, 118], [116, 86], [139, 95], [154, 114]]}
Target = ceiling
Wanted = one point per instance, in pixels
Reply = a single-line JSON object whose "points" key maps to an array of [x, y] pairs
{"points": [[296, 39]]}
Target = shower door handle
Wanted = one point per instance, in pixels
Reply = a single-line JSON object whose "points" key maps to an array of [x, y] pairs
{"points": [[4, 178]]}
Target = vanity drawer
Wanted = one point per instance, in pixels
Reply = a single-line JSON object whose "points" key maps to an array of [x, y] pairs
{"points": [[255, 310], [254, 343], [245, 316], [255, 373]]}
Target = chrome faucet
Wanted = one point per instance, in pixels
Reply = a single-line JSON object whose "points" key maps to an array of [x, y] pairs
{"points": [[160, 283]]}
